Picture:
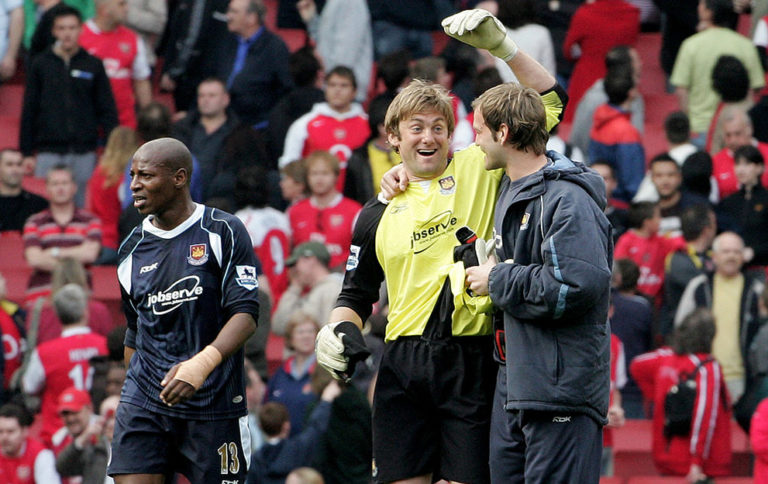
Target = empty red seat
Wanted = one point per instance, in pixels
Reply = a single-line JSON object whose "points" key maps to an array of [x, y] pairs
{"points": [[35, 185], [657, 480], [12, 251]]}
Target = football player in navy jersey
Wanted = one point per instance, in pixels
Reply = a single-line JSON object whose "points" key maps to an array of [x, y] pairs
{"points": [[187, 275]]}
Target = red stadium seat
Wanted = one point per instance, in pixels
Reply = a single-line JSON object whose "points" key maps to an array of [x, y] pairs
{"points": [[35, 185], [16, 283], [275, 349], [612, 480], [12, 251], [657, 480], [11, 100]]}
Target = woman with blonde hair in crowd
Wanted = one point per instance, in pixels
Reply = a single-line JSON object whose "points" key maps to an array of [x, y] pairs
{"points": [[102, 198], [290, 385]]}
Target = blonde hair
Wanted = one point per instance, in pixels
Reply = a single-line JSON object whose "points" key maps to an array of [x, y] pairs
{"points": [[69, 271], [121, 145], [419, 97], [521, 109], [297, 318], [325, 157]]}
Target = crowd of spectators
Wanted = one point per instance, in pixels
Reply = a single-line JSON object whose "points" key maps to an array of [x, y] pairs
{"points": [[294, 144]]}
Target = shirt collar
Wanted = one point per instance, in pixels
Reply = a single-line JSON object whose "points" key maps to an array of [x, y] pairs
{"points": [[250, 40]]}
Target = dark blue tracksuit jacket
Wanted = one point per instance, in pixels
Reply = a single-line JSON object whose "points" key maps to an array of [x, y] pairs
{"points": [[553, 285]]}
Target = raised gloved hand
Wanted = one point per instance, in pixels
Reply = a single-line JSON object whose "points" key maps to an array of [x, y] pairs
{"points": [[479, 28], [339, 346]]}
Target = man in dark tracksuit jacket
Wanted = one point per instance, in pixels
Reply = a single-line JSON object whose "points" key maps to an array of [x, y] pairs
{"points": [[553, 287], [67, 102]]}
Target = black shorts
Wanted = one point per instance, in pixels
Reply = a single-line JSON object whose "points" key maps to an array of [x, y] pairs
{"points": [[202, 450], [432, 409]]}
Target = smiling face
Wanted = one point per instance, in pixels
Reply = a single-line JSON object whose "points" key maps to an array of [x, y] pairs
{"points": [[76, 422], [489, 142], [423, 144]]}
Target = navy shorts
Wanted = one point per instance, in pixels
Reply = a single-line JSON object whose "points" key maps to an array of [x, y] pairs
{"points": [[542, 447], [204, 451], [432, 408]]}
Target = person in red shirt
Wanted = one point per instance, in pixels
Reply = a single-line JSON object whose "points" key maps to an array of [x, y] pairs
{"points": [[615, 410], [758, 439], [23, 460], [706, 451], [102, 198], [49, 326], [63, 230], [737, 131], [63, 362], [647, 248], [596, 28], [338, 125], [269, 229], [326, 216], [124, 56], [76, 410], [11, 320]]}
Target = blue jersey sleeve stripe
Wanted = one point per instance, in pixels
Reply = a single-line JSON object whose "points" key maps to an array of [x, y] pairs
{"points": [[563, 292]]}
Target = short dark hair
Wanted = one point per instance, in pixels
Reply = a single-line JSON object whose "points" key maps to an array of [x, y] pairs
{"points": [[695, 333], [214, 79], [618, 56], [19, 412], [304, 66], [750, 154], [693, 221], [252, 187], [723, 14], [730, 79], [394, 69], [63, 10], [639, 212], [485, 79], [617, 84], [377, 112], [697, 173], [677, 127], [629, 273], [606, 163], [153, 121], [272, 416], [662, 158], [342, 71], [516, 13]]}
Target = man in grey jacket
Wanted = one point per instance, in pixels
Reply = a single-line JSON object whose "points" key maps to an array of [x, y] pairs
{"points": [[553, 288]]}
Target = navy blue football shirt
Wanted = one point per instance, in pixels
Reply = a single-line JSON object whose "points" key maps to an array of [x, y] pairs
{"points": [[179, 288]]}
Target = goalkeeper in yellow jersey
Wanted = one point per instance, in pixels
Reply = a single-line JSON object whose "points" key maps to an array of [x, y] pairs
{"points": [[433, 395]]}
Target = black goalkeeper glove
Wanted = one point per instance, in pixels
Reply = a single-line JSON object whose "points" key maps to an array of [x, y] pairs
{"points": [[339, 346]]}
